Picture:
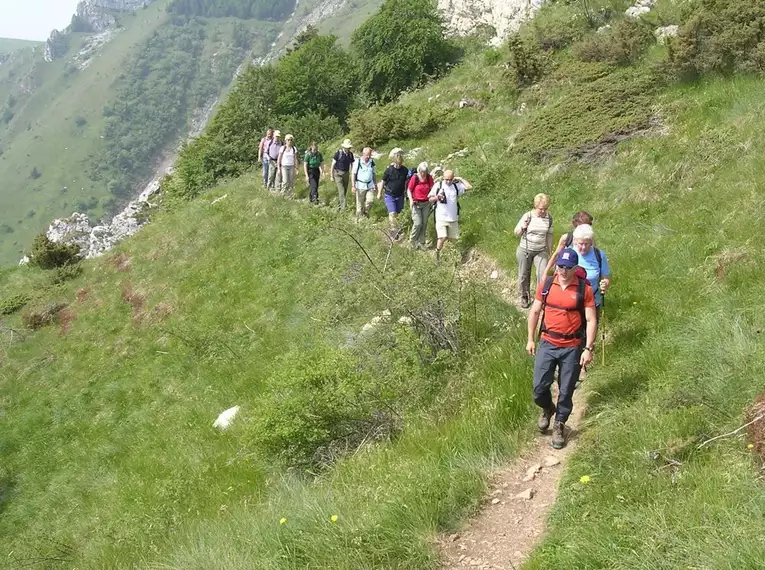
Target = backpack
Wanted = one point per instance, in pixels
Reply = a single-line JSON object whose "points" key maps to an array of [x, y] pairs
{"points": [[581, 287], [412, 172]]}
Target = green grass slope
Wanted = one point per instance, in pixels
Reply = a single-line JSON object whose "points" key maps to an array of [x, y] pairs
{"points": [[109, 454], [106, 414], [7, 45]]}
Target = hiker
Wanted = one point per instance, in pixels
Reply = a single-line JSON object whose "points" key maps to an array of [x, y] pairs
{"points": [[567, 307], [535, 228], [314, 171], [418, 189], [593, 261], [288, 161], [263, 155], [363, 182], [340, 170], [445, 195], [567, 239], [274, 176], [394, 181]]}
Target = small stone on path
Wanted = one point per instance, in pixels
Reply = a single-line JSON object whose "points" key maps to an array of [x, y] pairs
{"points": [[551, 461], [531, 472], [495, 501], [526, 495], [454, 537]]}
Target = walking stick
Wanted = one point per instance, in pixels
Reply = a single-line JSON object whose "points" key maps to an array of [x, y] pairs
{"points": [[603, 328]]}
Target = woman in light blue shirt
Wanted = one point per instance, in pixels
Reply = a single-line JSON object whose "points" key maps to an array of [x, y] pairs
{"points": [[593, 261]]}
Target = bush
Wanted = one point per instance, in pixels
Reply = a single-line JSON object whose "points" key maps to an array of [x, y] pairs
{"points": [[720, 36], [381, 123], [318, 408], [36, 319], [623, 44], [557, 26], [612, 106], [528, 63], [46, 254], [13, 303], [66, 273]]}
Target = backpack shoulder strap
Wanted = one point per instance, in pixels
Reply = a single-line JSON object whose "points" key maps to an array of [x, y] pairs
{"points": [[599, 257], [545, 292], [569, 239], [581, 288]]}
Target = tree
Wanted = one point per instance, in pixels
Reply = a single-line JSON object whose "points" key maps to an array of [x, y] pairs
{"points": [[315, 77], [400, 46]]}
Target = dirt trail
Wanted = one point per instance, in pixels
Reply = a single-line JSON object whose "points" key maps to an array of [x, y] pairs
{"points": [[510, 524]]}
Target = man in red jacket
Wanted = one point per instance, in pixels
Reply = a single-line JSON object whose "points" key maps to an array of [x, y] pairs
{"points": [[567, 306]]}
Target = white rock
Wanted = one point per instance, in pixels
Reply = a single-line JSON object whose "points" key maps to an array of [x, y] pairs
{"points": [[24, 260], [225, 418], [405, 320], [531, 472], [463, 17], [551, 461], [494, 274], [636, 11], [665, 32]]}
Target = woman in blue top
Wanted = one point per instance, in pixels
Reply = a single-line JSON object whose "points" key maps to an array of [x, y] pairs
{"points": [[593, 261]]}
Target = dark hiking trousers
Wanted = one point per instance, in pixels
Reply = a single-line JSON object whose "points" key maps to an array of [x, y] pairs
{"points": [[313, 183], [550, 357]]}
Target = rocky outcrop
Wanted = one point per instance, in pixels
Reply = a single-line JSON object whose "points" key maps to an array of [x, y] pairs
{"points": [[94, 16], [95, 240], [464, 17]]}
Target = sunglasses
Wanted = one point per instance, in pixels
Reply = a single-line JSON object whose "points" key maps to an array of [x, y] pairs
{"points": [[565, 267]]}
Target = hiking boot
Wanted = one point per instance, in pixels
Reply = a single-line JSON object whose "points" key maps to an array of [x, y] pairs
{"points": [[544, 419], [559, 435], [438, 255], [525, 303]]}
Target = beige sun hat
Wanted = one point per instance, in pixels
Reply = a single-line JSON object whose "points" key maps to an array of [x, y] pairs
{"points": [[395, 151], [347, 143], [289, 137], [277, 133]]}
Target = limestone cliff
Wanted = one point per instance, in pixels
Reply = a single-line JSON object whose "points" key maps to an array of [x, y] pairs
{"points": [[92, 16], [504, 16]]}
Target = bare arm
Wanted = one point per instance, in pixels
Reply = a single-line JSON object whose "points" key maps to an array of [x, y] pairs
{"points": [[591, 316], [522, 225], [466, 184], [536, 310]]}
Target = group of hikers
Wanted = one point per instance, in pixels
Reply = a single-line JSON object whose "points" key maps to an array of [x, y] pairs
{"points": [[567, 307], [426, 191], [571, 281]]}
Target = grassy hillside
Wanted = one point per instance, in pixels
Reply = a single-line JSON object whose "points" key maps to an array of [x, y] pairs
{"points": [[59, 154], [255, 301], [7, 45]]}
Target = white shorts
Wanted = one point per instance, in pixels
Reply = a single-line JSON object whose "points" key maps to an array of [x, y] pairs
{"points": [[449, 230]]}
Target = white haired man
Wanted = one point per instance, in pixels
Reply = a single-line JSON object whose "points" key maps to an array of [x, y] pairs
{"points": [[364, 180]]}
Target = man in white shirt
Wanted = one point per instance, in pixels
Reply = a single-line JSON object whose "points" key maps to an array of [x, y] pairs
{"points": [[363, 180], [445, 195]]}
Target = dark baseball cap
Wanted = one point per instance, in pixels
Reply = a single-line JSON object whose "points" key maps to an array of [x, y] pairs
{"points": [[567, 258]]}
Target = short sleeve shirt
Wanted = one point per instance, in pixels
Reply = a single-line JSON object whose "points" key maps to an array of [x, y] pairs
{"points": [[343, 160], [448, 212], [395, 180], [560, 313], [313, 159]]}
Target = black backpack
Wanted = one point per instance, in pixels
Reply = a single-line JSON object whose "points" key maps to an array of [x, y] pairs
{"points": [[581, 287]]}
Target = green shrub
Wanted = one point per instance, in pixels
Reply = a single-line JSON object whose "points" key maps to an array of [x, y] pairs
{"points": [[66, 273], [607, 108], [720, 36], [46, 254], [13, 303], [381, 123], [623, 44], [558, 25], [319, 407], [528, 62]]}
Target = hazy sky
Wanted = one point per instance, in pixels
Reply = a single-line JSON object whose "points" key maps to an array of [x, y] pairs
{"points": [[34, 19]]}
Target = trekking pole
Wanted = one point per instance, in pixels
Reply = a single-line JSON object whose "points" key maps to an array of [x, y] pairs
{"points": [[603, 328]]}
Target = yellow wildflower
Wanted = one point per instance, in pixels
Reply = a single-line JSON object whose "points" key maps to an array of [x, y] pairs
{"points": [[283, 520], [584, 479], [750, 446], [333, 518]]}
